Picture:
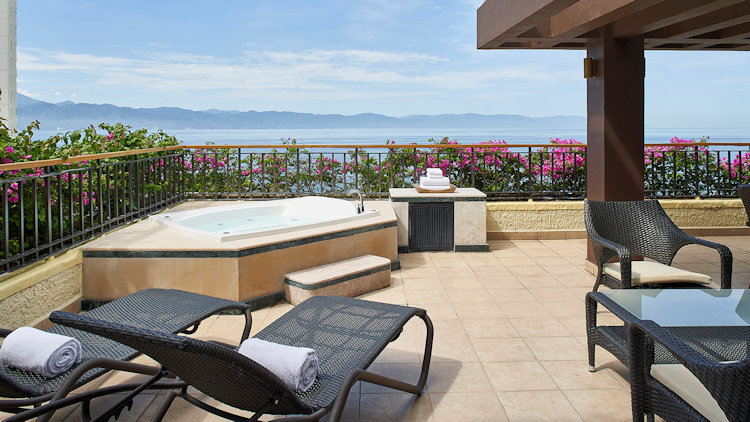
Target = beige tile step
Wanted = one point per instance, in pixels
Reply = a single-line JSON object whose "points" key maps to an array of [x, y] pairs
{"points": [[350, 277]]}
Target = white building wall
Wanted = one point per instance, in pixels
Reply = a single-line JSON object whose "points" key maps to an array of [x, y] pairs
{"points": [[8, 62]]}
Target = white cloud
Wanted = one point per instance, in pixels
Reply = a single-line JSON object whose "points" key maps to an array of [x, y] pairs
{"points": [[29, 94], [326, 73]]}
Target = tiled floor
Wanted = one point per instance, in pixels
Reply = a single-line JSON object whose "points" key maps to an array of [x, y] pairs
{"points": [[509, 338]]}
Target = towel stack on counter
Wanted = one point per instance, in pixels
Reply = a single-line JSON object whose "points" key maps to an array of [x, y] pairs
{"points": [[434, 180]]}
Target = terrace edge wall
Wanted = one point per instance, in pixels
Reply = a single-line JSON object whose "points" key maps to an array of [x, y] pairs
{"points": [[27, 296]]}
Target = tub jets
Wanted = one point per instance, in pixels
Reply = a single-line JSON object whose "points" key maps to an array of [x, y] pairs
{"points": [[361, 206]]}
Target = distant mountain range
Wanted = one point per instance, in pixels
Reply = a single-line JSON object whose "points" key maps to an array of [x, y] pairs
{"points": [[68, 115]]}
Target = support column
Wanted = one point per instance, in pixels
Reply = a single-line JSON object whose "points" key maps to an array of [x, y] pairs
{"points": [[8, 62], [615, 97], [614, 157]]}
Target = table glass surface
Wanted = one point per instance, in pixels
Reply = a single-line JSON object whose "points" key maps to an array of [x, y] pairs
{"points": [[686, 307]]}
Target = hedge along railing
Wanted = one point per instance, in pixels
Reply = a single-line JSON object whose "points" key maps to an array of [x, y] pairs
{"points": [[66, 202], [502, 171]]}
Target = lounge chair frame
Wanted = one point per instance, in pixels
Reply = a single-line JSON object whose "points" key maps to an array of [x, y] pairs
{"points": [[347, 334], [163, 310]]}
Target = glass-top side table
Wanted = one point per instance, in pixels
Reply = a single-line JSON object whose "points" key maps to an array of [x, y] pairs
{"points": [[715, 322]]}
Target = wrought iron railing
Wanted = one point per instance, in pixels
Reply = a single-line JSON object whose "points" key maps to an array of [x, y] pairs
{"points": [[53, 205]]}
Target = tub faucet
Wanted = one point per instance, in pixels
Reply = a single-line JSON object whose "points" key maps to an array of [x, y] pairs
{"points": [[361, 206]]}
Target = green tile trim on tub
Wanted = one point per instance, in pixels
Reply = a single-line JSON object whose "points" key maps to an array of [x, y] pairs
{"points": [[332, 282], [239, 253]]}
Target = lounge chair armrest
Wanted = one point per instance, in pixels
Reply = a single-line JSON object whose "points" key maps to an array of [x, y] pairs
{"points": [[684, 354], [621, 250]]}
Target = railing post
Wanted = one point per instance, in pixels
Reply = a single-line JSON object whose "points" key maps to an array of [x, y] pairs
{"points": [[473, 165]]}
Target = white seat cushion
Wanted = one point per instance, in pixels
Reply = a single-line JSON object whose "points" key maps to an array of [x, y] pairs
{"points": [[680, 380], [647, 272]]}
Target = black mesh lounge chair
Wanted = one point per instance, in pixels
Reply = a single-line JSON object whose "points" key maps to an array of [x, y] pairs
{"points": [[167, 311], [347, 334], [626, 229], [744, 191], [696, 389]]}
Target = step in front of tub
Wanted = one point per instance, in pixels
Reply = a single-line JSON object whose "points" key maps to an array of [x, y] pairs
{"points": [[350, 277]]}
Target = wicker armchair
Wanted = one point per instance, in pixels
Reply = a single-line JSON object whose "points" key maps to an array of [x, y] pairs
{"points": [[744, 191], [696, 389], [626, 229]]}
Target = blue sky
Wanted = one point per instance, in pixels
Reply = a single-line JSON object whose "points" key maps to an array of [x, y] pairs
{"points": [[393, 57]]}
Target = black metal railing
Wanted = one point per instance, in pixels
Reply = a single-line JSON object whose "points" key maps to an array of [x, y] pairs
{"points": [[53, 205]]}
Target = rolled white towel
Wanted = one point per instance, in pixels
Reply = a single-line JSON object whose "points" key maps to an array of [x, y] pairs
{"points": [[435, 171], [37, 351], [426, 181], [296, 366]]}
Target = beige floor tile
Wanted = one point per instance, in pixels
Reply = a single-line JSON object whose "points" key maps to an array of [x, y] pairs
{"points": [[537, 406], [470, 296], [479, 407], [601, 405], [500, 282], [518, 376], [539, 282], [552, 294], [420, 272], [458, 377], [422, 284], [395, 407], [478, 310], [456, 272], [523, 260], [576, 326], [489, 328], [524, 310], [456, 283], [511, 295], [550, 261], [527, 271], [574, 375], [496, 271], [556, 348], [427, 296], [502, 350], [539, 327]]}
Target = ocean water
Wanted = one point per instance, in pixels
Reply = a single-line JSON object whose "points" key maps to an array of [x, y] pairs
{"points": [[380, 136]]}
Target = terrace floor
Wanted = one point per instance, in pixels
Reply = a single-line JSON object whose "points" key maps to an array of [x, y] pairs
{"points": [[509, 338]]}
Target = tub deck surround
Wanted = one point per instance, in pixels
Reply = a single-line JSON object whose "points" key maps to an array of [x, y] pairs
{"points": [[350, 278], [469, 216], [148, 255]]}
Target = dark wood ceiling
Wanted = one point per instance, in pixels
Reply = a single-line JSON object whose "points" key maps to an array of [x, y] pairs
{"points": [[572, 24]]}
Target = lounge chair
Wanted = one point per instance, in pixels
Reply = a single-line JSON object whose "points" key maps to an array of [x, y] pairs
{"points": [[347, 335], [159, 310], [695, 388], [626, 229]]}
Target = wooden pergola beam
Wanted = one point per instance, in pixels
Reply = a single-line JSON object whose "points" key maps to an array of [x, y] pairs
{"points": [[663, 14], [714, 21], [502, 19]]}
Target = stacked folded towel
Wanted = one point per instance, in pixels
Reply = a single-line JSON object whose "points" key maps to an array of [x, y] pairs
{"points": [[40, 352], [434, 180], [297, 367]]}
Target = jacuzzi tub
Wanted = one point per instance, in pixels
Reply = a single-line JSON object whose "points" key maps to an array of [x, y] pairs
{"points": [[262, 218]]}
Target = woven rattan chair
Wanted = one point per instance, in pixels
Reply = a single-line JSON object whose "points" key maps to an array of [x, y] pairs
{"points": [[744, 191], [347, 335], [627, 229], [166, 311], [696, 389]]}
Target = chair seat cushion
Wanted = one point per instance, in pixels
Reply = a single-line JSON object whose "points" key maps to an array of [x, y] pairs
{"points": [[682, 382], [648, 272]]}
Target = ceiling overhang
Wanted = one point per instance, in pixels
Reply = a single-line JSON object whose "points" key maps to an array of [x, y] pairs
{"points": [[573, 24]]}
